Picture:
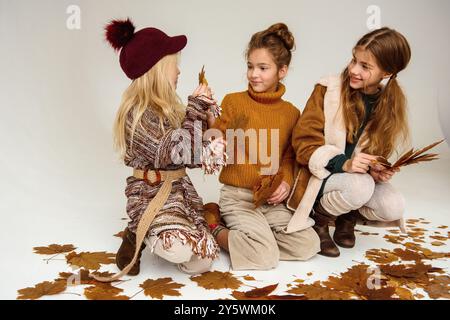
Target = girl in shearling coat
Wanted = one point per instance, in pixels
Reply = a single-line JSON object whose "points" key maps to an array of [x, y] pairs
{"points": [[348, 122]]}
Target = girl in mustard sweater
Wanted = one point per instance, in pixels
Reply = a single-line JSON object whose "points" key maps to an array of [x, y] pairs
{"points": [[258, 125]]}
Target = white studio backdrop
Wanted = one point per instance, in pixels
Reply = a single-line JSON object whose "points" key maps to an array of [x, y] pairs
{"points": [[60, 87]]}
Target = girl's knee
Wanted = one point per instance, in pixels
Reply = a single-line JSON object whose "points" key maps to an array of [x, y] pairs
{"points": [[392, 208], [196, 265], [359, 189], [177, 253]]}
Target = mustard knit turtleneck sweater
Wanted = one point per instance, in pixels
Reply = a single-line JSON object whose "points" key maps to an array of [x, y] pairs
{"points": [[251, 110]]}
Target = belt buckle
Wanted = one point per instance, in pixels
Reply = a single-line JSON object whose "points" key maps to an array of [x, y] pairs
{"points": [[158, 178]]}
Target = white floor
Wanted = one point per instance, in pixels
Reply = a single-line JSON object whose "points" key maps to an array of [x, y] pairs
{"points": [[426, 188]]}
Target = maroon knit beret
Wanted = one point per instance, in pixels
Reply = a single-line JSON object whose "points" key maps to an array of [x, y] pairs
{"points": [[140, 51]]}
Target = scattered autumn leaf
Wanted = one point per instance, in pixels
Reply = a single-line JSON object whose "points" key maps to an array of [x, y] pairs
{"points": [[161, 287], [217, 280], [42, 289], [249, 278], [316, 291], [90, 260], [439, 287], [408, 255], [54, 249], [381, 256], [104, 291], [83, 277]]}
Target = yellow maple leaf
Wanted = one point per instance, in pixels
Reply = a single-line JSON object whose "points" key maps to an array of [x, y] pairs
{"points": [[161, 287], [45, 288], [217, 280], [90, 260]]}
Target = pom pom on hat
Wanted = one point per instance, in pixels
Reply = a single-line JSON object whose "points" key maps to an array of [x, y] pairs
{"points": [[119, 33]]}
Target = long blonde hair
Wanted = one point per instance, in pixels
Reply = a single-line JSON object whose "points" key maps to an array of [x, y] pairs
{"points": [[389, 123], [152, 90]]}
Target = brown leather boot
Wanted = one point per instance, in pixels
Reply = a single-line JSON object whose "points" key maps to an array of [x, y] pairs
{"points": [[327, 247], [126, 253], [344, 235]]}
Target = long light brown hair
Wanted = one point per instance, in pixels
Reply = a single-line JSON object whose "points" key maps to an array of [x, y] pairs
{"points": [[388, 125], [152, 90]]}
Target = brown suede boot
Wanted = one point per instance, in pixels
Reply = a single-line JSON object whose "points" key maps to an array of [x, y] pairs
{"points": [[211, 212], [344, 235], [126, 253], [327, 247]]}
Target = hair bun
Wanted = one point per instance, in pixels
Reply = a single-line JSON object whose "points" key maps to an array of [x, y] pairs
{"points": [[282, 31], [119, 33]]}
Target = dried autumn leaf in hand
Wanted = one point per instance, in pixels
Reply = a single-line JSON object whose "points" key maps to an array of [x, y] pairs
{"points": [[54, 249], [265, 187], [42, 289], [104, 291], [161, 287], [90, 260], [411, 157], [202, 77], [217, 280]]}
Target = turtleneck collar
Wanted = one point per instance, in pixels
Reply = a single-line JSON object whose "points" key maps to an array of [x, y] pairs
{"points": [[267, 97]]}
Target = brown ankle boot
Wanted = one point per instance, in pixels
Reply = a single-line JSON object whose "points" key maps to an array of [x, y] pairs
{"points": [[344, 235], [327, 247], [126, 253]]}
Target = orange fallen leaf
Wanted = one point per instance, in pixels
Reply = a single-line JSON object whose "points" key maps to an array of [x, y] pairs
{"points": [[217, 280], [90, 260], [161, 287], [42, 289]]}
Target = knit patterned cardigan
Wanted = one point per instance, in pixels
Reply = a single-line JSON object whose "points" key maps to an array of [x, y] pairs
{"points": [[152, 148]]}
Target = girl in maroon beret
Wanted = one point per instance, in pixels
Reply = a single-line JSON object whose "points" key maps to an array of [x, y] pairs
{"points": [[154, 134]]}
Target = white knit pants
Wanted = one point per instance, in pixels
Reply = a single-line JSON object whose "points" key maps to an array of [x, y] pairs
{"points": [[345, 192]]}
